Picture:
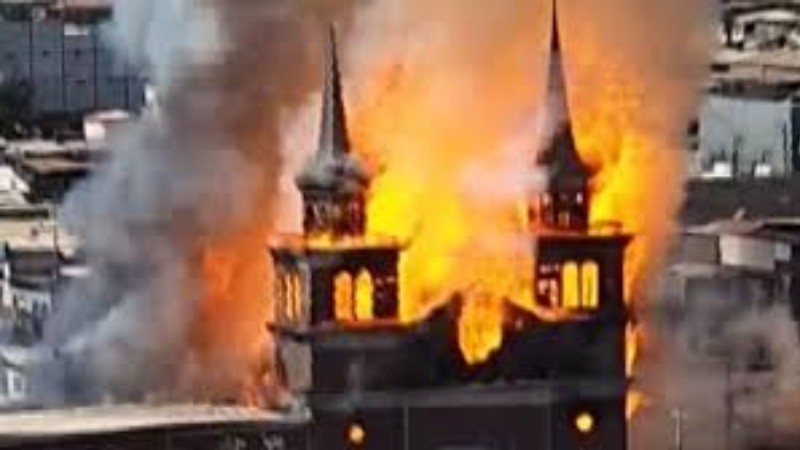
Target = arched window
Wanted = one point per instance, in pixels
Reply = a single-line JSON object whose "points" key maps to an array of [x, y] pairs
{"points": [[296, 304], [364, 293], [590, 285], [279, 296], [288, 295], [580, 285], [343, 296], [570, 286]]}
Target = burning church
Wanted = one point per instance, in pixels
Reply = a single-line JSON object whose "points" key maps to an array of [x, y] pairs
{"points": [[549, 373], [544, 371]]}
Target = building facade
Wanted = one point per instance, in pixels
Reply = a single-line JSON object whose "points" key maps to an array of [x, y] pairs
{"points": [[372, 381], [63, 57]]}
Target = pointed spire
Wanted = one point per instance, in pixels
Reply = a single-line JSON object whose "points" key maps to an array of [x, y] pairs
{"points": [[333, 136], [561, 154], [555, 38], [565, 204], [333, 166]]}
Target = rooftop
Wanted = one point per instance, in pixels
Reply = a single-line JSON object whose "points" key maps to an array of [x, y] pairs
{"points": [[123, 418], [751, 198], [55, 165]]}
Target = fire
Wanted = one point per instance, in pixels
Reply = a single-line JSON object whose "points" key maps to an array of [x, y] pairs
{"points": [[424, 119], [226, 341], [634, 401], [480, 332], [632, 338], [458, 243]]}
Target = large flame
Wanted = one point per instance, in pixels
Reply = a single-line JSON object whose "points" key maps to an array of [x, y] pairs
{"points": [[454, 168], [447, 106], [414, 121]]}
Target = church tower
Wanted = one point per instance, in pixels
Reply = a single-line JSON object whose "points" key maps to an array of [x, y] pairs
{"points": [[565, 202], [372, 381], [578, 268], [331, 273]]}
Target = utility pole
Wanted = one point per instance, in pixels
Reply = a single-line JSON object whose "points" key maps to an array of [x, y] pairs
{"points": [[728, 395], [677, 420]]}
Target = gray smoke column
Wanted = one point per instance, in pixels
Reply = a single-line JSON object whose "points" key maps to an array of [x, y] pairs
{"points": [[175, 225]]}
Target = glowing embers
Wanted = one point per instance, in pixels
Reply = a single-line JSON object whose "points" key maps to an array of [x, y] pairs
{"points": [[353, 297], [570, 286]]}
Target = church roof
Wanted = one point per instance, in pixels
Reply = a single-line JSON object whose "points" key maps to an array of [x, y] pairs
{"points": [[333, 166], [561, 155]]}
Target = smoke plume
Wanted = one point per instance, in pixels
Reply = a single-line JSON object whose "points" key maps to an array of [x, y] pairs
{"points": [[175, 224]]}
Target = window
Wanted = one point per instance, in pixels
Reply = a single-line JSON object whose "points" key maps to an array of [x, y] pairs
{"points": [[364, 294], [549, 292], [590, 285], [570, 284], [353, 298], [564, 219], [297, 304], [580, 285], [343, 296], [17, 384], [292, 296]]}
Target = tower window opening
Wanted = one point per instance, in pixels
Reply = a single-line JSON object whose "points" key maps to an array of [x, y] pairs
{"points": [[564, 219], [343, 296], [365, 289], [288, 295], [570, 283], [590, 285], [278, 289], [580, 285], [548, 290], [295, 304]]}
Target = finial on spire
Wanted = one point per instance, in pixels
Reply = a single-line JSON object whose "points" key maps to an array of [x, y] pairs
{"points": [[555, 39]]}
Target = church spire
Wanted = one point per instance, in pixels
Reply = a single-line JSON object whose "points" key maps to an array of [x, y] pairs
{"points": [[561, 156], [333, 136], [564, 205], [333, 167], [333, 182]]}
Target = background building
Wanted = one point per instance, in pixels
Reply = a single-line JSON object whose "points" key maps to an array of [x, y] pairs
{"points": [[59, 53]]}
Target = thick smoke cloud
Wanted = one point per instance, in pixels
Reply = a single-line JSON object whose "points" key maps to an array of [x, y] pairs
{"points": [[175, 224]]}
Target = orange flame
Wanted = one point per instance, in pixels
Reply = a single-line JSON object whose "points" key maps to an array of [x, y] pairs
{"points": [[228, 356], [428, 116], [633, 403], [480, 331]]}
